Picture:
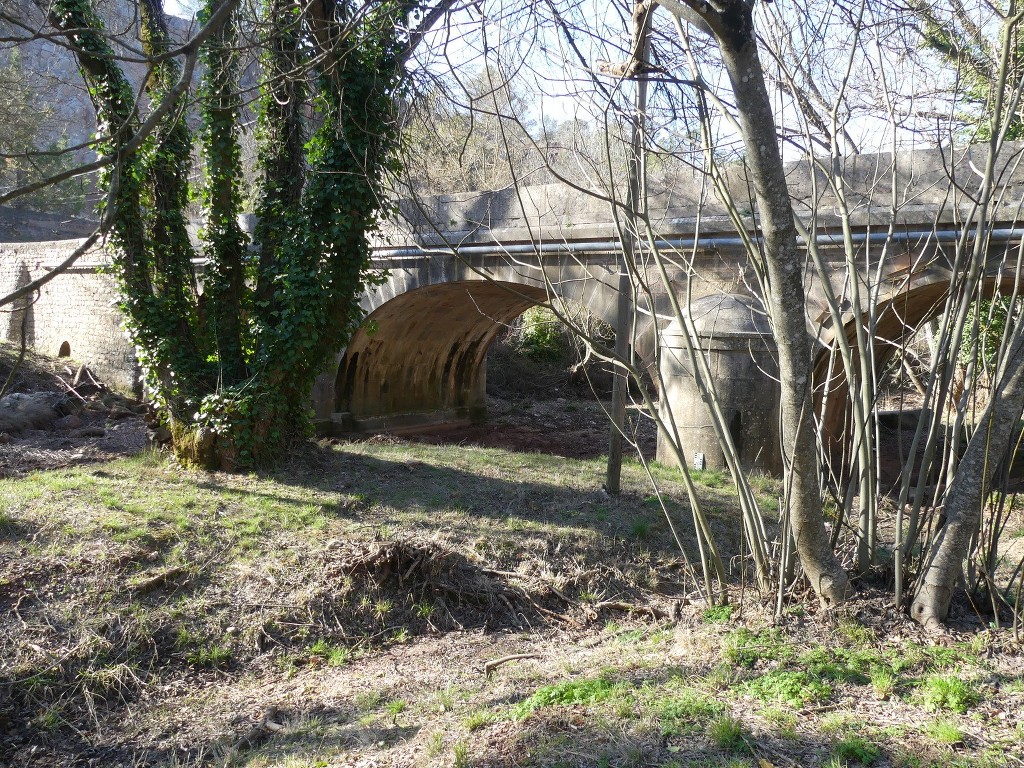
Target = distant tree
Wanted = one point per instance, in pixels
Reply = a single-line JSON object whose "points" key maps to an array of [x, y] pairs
{"points": [[469, 134], [28, 152], [985, 47]]}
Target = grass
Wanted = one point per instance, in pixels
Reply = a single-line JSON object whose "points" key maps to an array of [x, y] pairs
{"points": [[944, 732], [717, 614], [746, 647], [267, 604], [840, 664], [884, 682], [681, 711], [568, 693], [727, 733], [783, 720], [947, 692], [478, 719], [856, 749], [795, 688], [333, 655]]}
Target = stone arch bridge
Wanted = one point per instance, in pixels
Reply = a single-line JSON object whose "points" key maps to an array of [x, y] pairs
{"points": [[460, 268]]}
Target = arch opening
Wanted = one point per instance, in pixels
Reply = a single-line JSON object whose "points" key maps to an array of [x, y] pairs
{"points": [[899, 320], [420, 358]]}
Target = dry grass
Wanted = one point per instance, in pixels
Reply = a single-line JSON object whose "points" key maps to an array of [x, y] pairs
{"points": [[350, 608]]}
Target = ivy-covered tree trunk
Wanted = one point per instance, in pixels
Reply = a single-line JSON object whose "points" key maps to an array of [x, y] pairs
{"points": [[230, 355]]}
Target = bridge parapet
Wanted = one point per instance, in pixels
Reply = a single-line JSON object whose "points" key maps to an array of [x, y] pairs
{"points": [[916, 191]]}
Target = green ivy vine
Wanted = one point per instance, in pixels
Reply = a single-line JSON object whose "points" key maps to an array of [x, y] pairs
{"points": [[231, 354]]}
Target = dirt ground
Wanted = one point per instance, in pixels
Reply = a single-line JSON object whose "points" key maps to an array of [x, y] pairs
{"points": [[107, 425], [387, 603], [576, 429], [92, 422]]}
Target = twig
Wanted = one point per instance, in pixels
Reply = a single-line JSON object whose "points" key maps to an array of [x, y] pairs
{"points": [[616, 605], [555, 615], [558, 592], [490, 666]]}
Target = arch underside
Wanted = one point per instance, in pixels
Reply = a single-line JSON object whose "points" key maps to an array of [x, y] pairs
{"points": [[897, 320], [421, 357]]}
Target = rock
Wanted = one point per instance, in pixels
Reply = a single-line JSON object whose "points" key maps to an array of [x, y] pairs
{"points": [[28, 411], [68, 405], [89, 432], [71, 421], [5, 439], [158, 436]]}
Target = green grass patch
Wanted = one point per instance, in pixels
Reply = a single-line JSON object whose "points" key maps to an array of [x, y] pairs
{"points": [[717, 614], [569, 693], [683, 709], [478, 719], [947, 692], [945, 732], [884, 681], [856, 749], [783, 720], [711, 478], [211, 656], [332, 655], [797, 689], [745, 648], [727, 733], [855, 632], [840, 664]]}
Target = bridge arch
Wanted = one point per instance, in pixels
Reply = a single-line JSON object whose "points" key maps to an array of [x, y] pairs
{"points": [[420, 357], [899, 318]]}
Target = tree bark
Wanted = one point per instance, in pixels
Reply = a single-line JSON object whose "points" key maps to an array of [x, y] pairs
{"points": [[943, 565]]}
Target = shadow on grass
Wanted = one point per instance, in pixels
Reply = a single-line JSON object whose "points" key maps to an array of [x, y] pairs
{"points": [[290, 738], [571, 739], [417, 493]]}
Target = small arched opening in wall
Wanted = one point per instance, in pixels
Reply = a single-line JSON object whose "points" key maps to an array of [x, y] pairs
{"points": [[900, 324], [65, 349]]}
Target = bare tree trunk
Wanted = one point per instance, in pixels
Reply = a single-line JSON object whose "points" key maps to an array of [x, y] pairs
{"points": [[733, 27], [943, 566]]}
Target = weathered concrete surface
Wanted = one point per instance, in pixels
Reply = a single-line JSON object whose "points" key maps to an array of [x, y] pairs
{"points": [[736, 338]]}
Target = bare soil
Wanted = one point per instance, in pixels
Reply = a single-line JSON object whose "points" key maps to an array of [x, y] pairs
{"points": [[576, 429], [94, 423]]}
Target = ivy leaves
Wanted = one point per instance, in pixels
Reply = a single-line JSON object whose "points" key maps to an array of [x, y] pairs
{"points": [[232, 366]]}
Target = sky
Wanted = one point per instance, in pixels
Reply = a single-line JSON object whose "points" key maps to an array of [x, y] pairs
{"points": [[183, 8]]}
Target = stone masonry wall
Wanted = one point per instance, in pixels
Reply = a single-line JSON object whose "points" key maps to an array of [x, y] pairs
{"points": [[74, 315]]}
